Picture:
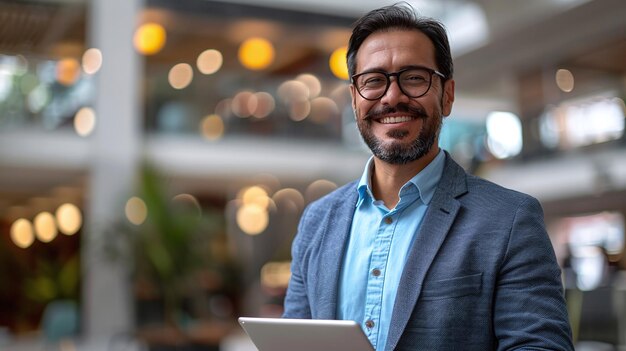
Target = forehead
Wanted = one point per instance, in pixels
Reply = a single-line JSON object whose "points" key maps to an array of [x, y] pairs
{"points": [[392, 50]]}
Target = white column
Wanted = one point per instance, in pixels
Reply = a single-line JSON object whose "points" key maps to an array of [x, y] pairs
{"points": [[107, 308]]}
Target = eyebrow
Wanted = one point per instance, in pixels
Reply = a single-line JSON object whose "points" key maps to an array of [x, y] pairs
{"points": [[381, 70]]}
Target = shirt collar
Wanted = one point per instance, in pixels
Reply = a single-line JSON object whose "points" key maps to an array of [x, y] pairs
{"points": [[425, 181], [365, 184]]}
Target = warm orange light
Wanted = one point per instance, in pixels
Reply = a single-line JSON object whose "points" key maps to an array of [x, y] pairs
{"points": [[84, 121], [92, 60], [209, 61], [255, 195], [68, 218], [150, 38], [45, 227], [252, 219], [180, 76], [68, 71], [338, 64], [212, 127], [256, 53], [22, 233], [136, 210]]}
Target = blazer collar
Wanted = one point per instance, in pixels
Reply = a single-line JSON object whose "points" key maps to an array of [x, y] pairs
{"points": [[435, 226]]}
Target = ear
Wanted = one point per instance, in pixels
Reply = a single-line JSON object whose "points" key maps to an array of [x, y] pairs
{"points": [[448, 97], [353, 97]]}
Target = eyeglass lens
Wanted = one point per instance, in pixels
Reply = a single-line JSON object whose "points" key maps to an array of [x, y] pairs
{"points": [[413, 82]]}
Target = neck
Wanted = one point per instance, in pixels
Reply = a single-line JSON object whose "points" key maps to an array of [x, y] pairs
{"points": [[387, 179]]}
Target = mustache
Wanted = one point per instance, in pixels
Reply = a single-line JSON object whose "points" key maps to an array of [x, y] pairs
{"points": [[402, 107]]}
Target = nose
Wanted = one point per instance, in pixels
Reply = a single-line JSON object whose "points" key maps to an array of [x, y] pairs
{"points": [[394, 94]]}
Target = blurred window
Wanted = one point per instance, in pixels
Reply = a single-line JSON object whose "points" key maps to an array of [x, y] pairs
{"points": [[583, 122]]}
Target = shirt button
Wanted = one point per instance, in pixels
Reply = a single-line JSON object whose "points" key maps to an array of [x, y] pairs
{"points": [[376, 272], [388, 220], [369, 324]]}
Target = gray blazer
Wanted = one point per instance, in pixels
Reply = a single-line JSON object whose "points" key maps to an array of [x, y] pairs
{"points": [[481, 274]]}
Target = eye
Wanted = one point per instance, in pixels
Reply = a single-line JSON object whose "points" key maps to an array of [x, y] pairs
{"points": [[372, 81], [414, 77]]}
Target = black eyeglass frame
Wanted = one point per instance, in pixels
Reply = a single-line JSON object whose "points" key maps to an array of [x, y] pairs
{"points": [[397, 75]]}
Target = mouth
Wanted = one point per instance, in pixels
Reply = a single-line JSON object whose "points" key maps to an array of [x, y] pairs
{"points": [[395, 119]]}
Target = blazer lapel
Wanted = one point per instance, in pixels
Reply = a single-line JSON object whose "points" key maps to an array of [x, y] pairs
{"points": [[332, 250], [435, 226]]}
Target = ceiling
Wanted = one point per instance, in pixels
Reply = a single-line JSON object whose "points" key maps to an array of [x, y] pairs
{"points": [[499, 42], [512, 66]]}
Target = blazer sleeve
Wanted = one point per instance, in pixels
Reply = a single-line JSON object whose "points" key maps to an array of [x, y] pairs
{"points": [[297, 301], [530, 311]]}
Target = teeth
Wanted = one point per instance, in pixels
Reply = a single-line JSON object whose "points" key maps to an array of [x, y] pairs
{"points": [[389, 120]]}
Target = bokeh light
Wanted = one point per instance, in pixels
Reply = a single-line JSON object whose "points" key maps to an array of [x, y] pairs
{"points": [[187, 203], [289, 197], [252, 219], [67, 71], [209, 61], [92, 60], [504, 134], [265, 104], [324, 109], [22, 233], [180, 76], [212, 127], [318, 189], [299, 110], [293, 91], [69, 219], [255, 195], [45, 227], [136, 210], [241, 103], [149, 38], [276, 274], [38, 98], [338, 64], [312, 82], [6, 84], [565, 80], [256, 53], [223, 108], [84, 121]]}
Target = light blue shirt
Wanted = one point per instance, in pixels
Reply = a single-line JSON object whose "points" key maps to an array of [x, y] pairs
{"points": [[377, 249]]}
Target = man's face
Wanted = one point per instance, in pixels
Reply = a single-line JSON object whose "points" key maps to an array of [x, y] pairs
{"points": [[399, 129]]}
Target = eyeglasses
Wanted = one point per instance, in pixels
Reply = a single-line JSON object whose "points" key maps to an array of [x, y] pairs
{"points": [[413, 82]]}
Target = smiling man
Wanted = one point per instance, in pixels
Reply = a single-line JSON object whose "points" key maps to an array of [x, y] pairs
{"points": [[423, 255]]}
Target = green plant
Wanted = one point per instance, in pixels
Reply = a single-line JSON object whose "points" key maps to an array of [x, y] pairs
{"points": [[170, 248]]}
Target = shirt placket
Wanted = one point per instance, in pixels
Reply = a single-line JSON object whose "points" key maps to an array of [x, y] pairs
{"points": [[376, 276]]}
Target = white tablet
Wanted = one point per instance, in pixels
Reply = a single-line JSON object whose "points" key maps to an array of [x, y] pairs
{"points": [[281, 334]]}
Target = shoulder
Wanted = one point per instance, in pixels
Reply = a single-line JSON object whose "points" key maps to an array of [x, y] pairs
{"points": [[497, 202], [471, 189], [333, 199], [329, 211]]}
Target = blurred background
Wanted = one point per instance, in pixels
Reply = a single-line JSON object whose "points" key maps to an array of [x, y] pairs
{"points": [[155, 156]]}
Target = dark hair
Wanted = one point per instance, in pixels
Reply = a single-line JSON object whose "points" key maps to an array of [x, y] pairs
{"points": [[401, 16]]}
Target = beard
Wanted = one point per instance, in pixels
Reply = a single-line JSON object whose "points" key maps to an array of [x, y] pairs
{"points": [[398, 151]]}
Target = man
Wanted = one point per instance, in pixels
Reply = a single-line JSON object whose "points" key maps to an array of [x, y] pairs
{"points": [[421, 254]]}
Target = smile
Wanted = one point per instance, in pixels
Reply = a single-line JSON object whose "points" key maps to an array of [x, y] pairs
{"points": [[391, 120]]}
